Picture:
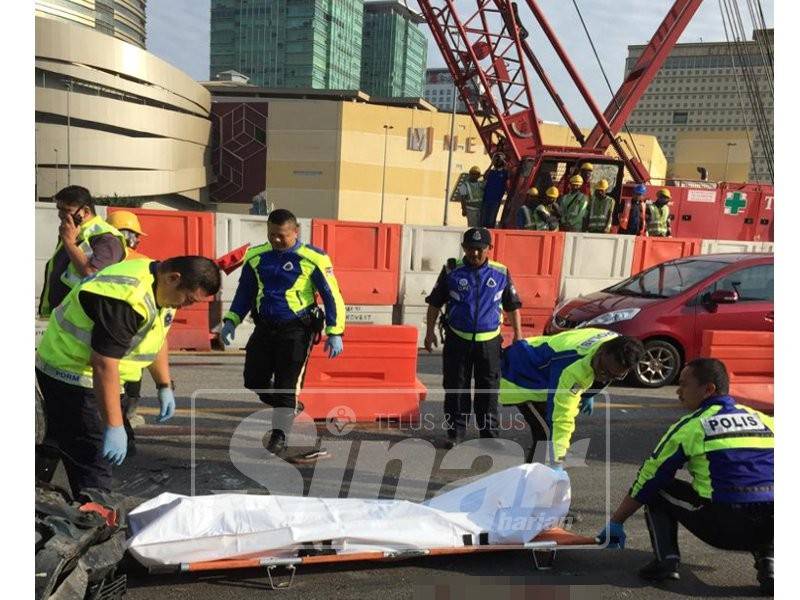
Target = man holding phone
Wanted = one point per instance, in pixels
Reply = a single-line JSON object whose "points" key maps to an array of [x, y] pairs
{"points": [[86, 244]]}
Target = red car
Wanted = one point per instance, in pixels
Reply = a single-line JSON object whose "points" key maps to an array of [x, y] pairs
{"points": [[670, 305]]}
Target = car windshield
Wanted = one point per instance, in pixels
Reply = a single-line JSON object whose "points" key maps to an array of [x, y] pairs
{"points": [[667, 279]]}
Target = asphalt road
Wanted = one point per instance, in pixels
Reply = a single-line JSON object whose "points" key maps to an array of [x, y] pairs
{"points": [[637, 419]]}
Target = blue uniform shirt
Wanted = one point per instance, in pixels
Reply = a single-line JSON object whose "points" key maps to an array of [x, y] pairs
{"points": [[495, 186], [279, 286], [474, 296]]}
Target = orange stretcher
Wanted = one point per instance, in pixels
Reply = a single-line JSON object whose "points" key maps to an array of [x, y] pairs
{"points": [[543, 548]]}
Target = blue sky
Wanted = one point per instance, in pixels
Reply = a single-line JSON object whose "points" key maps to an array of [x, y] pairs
{"points": [[178, 32]]}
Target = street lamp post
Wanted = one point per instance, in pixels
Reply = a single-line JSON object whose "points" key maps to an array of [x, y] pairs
{"points": [[386, 129], [727, 158], [69, 84], [56, 151], [449, 156]]}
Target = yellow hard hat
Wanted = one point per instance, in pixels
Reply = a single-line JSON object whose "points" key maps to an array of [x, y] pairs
{"points": [[664, 192], [475, 169], [123, 219], [602, 185], [533, 192], [552, 192], [587, 167], [576, 180]]}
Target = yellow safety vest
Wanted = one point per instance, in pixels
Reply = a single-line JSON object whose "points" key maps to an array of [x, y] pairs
{"points": [[65, 350], [70, 277], [658, 223]]}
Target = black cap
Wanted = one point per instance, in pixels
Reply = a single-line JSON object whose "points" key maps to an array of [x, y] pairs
{"points": [[477, 237]]}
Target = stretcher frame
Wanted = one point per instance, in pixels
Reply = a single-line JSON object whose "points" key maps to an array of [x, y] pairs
{"points": [[543, 550]]}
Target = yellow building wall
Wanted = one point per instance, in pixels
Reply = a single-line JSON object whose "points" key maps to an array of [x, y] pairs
{"points": [[325, 159], [710, 149]]}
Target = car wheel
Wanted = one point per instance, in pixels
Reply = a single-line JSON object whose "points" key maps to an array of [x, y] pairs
{"points": [[659, 365]]}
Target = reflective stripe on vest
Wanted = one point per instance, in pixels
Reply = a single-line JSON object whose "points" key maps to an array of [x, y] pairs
{"points": [[483, 336], [70, 277], [65, 350], [657, 226], [600, 213]]}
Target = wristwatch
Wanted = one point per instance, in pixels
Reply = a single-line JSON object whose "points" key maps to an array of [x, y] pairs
{"points": [[164, 386]]}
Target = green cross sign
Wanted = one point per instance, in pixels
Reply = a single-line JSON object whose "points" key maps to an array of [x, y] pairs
{"points": [[734, 203]]}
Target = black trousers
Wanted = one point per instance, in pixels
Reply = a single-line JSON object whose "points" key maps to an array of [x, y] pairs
{"points": [[275, 362], [746, 527], [535, 415], [461, 359], [74, 425]]}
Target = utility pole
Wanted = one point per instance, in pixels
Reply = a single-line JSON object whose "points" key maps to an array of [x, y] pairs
{"points": [[386, 129]]}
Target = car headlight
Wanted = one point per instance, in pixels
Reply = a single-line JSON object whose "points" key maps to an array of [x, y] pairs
{"points": [[615, 316]]}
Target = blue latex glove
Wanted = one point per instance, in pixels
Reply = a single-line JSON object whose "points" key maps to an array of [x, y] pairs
{"points": [[167, 400], [115, 444], [228, 332], [587, 405], [614, 533], [334, 345]]}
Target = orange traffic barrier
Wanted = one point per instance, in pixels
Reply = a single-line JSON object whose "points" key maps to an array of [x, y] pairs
{"points": [[365, 256], [749, 358], [534, 259], [374, 378], [649, 251], [533, 323], [175, 233]]}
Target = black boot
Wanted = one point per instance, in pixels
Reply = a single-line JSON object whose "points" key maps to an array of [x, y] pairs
{"points": [[765, 571], [277, 442], [453, 438], [659, 570]]}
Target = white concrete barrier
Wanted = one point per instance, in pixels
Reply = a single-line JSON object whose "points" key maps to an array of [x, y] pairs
{"points": [[415, 315], [425, 251], [731, 246], [593, 261]]}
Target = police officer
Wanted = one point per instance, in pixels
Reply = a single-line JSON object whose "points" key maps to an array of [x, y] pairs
{"points": [[572, 206], [474, 289], [657, 215], [552, 378], [277, 286], [601, 208], [86, 244], [728, 450], [112, 325]]}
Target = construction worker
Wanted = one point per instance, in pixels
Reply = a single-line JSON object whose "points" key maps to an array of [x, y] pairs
{"points": [[601, 209], [475, 290], [110, 326], [630, 214], [128, 225], [657, 215], [728, 450], [539, 215], [277, 286], [496, 179], [586, 171], [550, 379], [525, 212], [470, 193], [86, 244], [572, 206]]}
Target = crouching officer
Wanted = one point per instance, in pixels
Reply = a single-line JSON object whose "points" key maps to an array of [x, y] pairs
{"points": [[474, 290], [550, 379], [277, 286], [728, 449], [109, 327]]}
